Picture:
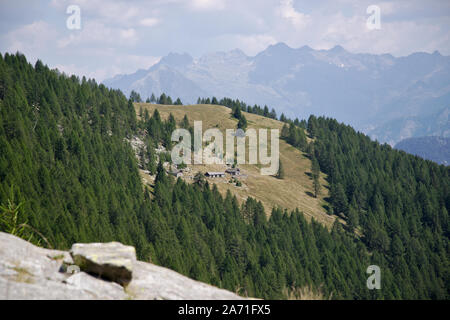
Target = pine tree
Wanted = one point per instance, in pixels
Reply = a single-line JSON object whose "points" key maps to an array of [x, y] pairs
{"points": [[237, 112], [185, 122], [284, 131], [280, 173], [316, 186], [199, 179], [315, 172], [135, 97], [242, 123]]}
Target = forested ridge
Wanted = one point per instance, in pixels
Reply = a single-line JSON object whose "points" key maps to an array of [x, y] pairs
{"points": [[65, 156], [62, 153], [399, 202]]}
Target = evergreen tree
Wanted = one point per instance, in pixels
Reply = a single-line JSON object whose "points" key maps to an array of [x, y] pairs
{"points": [[185, 122], [135, 97], [237, 112], [242, 123], [280, 173], [315, 172], [199, 179]]}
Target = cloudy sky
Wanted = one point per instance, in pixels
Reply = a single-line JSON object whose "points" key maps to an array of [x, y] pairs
{"points": [[123, 36]]}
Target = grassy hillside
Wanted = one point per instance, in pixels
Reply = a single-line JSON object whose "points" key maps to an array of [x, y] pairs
{"points": [[294, 191]]}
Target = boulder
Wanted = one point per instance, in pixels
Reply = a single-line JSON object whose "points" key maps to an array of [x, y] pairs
{"points": [[30, 272], [112, 261]]}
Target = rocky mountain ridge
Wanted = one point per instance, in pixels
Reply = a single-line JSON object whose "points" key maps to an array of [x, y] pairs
{"points": [[389, 98], [436, 149]]}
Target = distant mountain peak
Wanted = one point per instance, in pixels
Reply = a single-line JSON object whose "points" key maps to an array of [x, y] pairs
{"points": [[305, 48], [237, 51], [278, 48], [280, 45], [337, 49], [437, 53], [433, 148], [177, 59], [387, 97], [234, 56]]}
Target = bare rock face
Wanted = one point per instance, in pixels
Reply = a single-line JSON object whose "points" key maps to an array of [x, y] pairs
{"points": [[30, 272], [151, 282], [87, 283], [33, 273], [112, 261]]}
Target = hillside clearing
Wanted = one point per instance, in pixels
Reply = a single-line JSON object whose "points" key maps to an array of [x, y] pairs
{"points": [[294, 191]]}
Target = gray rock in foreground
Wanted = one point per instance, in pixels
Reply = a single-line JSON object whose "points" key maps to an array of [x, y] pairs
{"points": [[112, 261], [30, 272], [153, 282]]}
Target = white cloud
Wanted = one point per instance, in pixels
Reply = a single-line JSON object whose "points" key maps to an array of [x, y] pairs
{"points": [[149, 22], [34, 36], [128, 34], [387, 8], [109, 12], [207, 4], [94, 33], [287, 11]]}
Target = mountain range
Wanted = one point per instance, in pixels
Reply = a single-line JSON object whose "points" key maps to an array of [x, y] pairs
{"points": [[389, 98], [432, 148]]}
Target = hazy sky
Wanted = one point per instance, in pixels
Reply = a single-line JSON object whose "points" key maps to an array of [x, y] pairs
{"points": [[123, 36]]}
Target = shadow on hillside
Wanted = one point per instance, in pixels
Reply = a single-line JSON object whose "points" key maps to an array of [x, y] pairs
{"points": [[310, 194], [327, 209]]}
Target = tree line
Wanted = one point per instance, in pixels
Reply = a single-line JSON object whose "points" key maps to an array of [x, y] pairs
{"points": [[162, 99]]}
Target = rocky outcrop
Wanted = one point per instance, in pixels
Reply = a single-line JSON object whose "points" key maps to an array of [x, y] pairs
{"points": [[112, 261], [91, 271]]}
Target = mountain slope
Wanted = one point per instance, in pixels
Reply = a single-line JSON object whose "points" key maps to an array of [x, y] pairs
{"points": [[370, 92], [436, 149], [294, 191], [63, 155]]}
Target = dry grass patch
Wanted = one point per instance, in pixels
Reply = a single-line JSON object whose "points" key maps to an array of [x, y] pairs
{"points": [[294, 191]]}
